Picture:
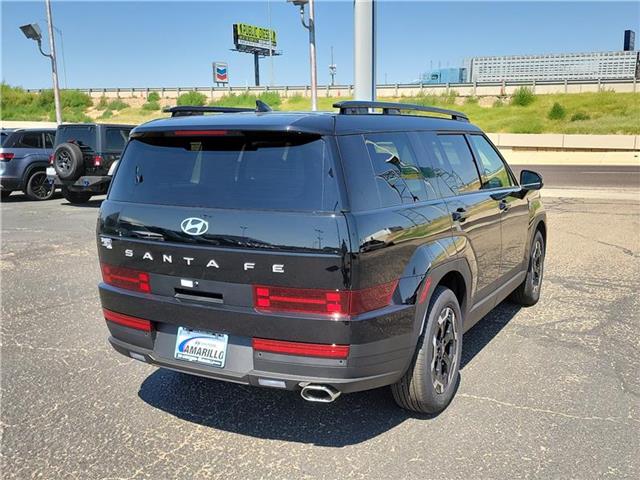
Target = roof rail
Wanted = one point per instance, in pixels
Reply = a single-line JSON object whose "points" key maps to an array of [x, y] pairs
{"points": [[361, 107], [189, 110]]}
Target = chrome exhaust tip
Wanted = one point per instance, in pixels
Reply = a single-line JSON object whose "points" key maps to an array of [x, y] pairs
{"points": [[319, 393]]}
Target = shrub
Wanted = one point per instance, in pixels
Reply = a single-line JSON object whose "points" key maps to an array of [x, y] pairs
{"points": [[149, 106], [471, 100], [498, 103], [153, 97], [192, 98], [117, 104], [557, 112], [523, 96], [272, 99], [103, 103], [107, 114], [74, 99], [579, 116], [449, 98], [18, 104]]}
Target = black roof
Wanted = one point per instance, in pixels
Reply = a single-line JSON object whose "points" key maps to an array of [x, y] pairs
{"points": [[322, 123]]}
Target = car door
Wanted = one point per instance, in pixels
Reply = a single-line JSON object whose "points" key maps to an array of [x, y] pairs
{"points": [[514, 209], [475, 213]]}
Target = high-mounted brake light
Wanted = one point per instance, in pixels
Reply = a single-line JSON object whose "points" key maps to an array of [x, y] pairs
{"points": [[323, 302], [6, 156], [200, 133], [302, 349], [127, 320], [97, 160], [126, 278]]}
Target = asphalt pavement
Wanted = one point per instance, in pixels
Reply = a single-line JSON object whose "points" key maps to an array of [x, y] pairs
{"points": [[550, 391], [586, 176]]}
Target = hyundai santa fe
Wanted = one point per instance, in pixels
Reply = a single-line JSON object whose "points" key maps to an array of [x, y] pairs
{"points": [[323, 253]]}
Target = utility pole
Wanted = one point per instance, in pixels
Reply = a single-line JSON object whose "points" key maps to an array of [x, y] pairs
{"points": [[311, 26], [54, 68], [364, 50], [332, 69]]}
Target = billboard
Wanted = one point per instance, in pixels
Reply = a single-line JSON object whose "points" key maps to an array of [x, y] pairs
{"points": [[251, 38], [220, 72]]}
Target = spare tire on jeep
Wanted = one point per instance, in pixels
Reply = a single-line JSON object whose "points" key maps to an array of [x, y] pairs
{"points": [[68, 161]]}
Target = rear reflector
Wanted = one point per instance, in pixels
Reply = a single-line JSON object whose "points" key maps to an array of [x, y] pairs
{"points": [[302, 349], [51, 159], [200, 133], [126, 278], [127, 320], [97, 160], [324, 302], [6, 156]]}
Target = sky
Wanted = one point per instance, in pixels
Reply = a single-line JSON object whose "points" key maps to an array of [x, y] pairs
{"points": [[172, 43]]}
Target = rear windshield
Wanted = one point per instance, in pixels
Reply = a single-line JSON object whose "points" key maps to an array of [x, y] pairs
{"points": [[84, 136], [245, 171]]}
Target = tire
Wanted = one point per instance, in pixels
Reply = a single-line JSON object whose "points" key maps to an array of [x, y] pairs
{"points": [[68, 161], [75, 197], [38, 188], [427, 387], [4, 194], [528, 293]]}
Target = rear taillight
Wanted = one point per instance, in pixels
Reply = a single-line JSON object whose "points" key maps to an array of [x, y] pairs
{"points": [[6, 156], [51, 159], [302, 349], [97, 160], [126, 278], [127, 320], [323, 302]]}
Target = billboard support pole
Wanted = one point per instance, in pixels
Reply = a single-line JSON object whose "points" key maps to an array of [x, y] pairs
{"points": [[256, 67], [364, 50]]}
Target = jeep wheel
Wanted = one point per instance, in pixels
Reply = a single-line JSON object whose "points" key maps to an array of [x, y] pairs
{"points": [[68, 161], [528, 293], [431, 381], [38, 187], [4, 194], [75, 197]]}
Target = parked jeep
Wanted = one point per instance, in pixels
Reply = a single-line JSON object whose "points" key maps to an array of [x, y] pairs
{"points": [[24, 155], [84, 158], [322, 253]]}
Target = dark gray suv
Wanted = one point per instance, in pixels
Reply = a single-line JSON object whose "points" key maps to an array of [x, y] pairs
{"points": [[24, 154]]}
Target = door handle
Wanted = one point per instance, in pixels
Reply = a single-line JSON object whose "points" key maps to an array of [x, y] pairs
{"points": [[460, 215], [503, 205]]}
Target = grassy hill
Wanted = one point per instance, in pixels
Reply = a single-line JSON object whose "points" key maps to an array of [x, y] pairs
{"points": [[604, 112]]}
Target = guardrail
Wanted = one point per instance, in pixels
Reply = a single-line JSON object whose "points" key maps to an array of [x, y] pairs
{"points": [[478, 89]]}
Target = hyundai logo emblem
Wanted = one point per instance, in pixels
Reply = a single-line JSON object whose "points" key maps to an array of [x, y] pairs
{"points": [[194, 226]]}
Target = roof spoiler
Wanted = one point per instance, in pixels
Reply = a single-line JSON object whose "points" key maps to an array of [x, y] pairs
{"points": [[361, 107], [190, 110]]}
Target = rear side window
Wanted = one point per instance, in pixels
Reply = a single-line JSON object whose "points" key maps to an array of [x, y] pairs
{"points": [[25, 140], [49, 138], [116, 138], [246, 171], [83, 135], [458, 168], [493, 171]]}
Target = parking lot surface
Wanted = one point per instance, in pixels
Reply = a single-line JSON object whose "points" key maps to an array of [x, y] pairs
{"points": [[550, 391]]}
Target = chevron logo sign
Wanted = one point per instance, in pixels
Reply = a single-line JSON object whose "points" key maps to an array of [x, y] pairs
{"points": [[220, 73]]}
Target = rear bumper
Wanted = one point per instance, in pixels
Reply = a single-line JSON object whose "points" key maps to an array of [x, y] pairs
{"points": [[86, 183], [10, 183], [380, 361]]}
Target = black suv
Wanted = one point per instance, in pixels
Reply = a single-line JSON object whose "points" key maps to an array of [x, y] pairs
{"points": [[320, 252], [84, 158]]}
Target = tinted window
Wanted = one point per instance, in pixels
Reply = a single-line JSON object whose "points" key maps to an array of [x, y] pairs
{"points": [[458, 169], [28, 140], [258, 171], [116, 139], [49, 138], [494, 173], [398, 176], [85, 136]]}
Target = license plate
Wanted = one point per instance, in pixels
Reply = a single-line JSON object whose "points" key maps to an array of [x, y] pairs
{"points": [[201, 347]]}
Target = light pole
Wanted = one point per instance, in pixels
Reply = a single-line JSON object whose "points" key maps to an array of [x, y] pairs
{"points": [[311, 26], [32, 31], [364, 50], [332, 69]]}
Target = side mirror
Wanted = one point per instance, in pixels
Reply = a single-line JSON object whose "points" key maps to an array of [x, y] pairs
{"points": [[530, 180]]}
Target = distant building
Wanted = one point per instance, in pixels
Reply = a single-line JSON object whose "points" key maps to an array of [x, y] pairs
{"points": [[629, 40], [445, 75], [563, 66]]}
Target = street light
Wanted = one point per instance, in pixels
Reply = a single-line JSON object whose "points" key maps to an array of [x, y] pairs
{"points": [[311, 26], [32, 32]]}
